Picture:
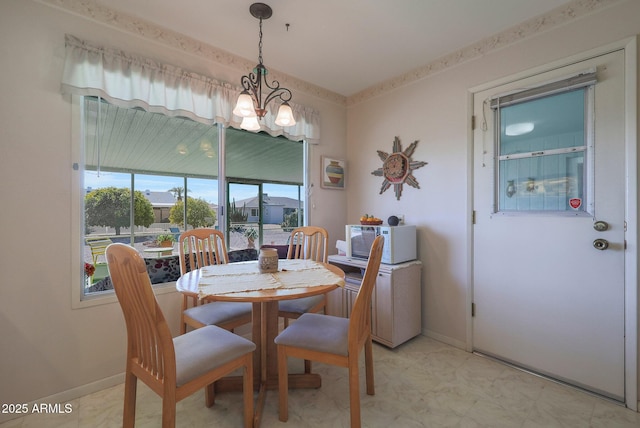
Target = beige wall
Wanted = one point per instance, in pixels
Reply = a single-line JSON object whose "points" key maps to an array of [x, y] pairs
{"points": [[435, 110], [46, 347]]}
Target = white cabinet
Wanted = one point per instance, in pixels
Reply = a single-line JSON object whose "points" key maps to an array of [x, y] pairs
{"points": [[396, 301]]}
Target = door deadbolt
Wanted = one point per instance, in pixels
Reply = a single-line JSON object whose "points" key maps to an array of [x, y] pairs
{"points": [[601, 244], [601, 226]]}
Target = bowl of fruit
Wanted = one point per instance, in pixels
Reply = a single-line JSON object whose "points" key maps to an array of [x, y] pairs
{"points": [[370, 220]]}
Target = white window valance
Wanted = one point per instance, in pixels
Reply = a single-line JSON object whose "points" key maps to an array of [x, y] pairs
{"points": [[129, 80]]}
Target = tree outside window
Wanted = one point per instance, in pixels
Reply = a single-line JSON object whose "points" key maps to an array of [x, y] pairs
{"points": [[111, 207], [199, 213]]}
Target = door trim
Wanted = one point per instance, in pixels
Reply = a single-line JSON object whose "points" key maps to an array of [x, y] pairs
{"points": [[629, 46]]}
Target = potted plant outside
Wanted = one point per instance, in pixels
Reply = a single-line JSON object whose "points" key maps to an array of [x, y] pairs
{"points": [[251, 235], [165, 240]]}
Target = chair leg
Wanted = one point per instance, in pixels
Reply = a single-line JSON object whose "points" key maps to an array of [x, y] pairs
{"points": [[354, 391], [368, 363], [185, 305], [129, 414], [307, 366], [210, 394], [283, 385], [169, 409], [247, 392]]}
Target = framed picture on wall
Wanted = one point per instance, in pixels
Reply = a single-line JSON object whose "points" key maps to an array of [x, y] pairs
{"points": [[333, 173]]}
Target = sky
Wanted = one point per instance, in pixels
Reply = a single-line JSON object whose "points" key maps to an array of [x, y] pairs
{"points": [[198, 188]]}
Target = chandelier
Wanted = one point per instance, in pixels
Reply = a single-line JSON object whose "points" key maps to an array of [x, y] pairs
{"points": [[251, 104]]}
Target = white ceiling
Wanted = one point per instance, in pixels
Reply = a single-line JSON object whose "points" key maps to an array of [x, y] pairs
{"points": [[344, 46]]}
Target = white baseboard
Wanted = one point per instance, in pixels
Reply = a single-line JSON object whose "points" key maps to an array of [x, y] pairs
{"points": [[71, 394], [445, 339]]}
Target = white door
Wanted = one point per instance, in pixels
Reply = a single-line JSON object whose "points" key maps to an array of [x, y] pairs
{"points": [[545, 297]]}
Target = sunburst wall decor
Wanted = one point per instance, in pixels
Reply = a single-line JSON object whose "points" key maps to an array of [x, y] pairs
{"points": [[397, 167]]}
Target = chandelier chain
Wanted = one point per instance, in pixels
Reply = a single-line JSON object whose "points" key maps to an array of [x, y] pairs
{"points": [[251, 103], [260, 44]]}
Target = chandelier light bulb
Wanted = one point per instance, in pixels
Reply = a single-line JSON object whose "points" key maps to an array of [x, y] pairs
{"points": [[182, 149], [244, 106], [285, 115], [250, 123]]}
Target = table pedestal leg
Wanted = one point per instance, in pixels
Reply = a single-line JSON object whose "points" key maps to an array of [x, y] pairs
{"points": [[265, 360], [264, 335]]}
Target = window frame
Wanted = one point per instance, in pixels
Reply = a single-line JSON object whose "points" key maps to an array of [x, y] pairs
{"points": [[555, 88], [80, 299]]}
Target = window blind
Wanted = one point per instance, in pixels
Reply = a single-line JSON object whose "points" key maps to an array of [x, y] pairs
{"points": [[579, 81]]}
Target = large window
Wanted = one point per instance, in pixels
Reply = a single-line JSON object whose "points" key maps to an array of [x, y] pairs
{"points": [[146, 175]]}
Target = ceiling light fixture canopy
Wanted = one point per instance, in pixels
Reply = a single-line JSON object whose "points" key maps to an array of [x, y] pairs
{"points": [[251, 104]]}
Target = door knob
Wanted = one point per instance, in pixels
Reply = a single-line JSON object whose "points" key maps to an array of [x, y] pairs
{"points": [[600, 244]]}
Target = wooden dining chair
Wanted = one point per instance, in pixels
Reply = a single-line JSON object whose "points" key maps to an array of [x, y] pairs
{"points": [[334, 340], [307, 242], [172, 368], [205, 247]]}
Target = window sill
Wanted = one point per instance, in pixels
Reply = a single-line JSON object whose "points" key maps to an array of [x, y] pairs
{"points": [[109, 297]]}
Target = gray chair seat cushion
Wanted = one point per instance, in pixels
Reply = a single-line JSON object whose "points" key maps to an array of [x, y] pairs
{"points": [[218, 312], [300, 306], [317, 332], [206, 348]]}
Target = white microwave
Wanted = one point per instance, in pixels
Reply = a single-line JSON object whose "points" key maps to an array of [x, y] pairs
{"points": [[399, 242]]}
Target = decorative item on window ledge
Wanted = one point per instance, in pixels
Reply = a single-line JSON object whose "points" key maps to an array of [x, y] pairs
{"points": [[397, 167], [89, 269], [251, 106]]}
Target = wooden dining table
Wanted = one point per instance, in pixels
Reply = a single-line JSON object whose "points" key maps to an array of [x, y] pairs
{"points": [[243, 282]]}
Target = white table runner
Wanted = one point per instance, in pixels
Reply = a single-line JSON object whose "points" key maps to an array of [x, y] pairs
{"points": [[246, 276]]}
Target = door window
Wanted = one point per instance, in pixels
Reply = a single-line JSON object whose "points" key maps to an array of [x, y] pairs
{"points": [[543, 150]]}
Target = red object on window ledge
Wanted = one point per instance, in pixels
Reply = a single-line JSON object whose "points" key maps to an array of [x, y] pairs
{"points": [[89, 269]]}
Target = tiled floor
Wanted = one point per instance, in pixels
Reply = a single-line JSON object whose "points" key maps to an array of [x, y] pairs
{"points": [[423, 383]]}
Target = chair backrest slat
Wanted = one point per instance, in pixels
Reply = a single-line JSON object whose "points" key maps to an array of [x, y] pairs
{"points": [[309, 242], [360, 317], [201, 247]]}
